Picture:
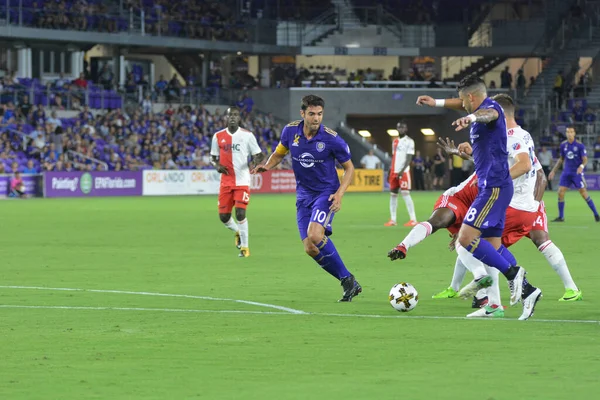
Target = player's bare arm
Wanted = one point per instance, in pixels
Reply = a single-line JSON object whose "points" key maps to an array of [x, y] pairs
{"points": [[540, 185], [271, 163], [556, 167], [453, 104], [256, 159], [336, 198], [214, 161], [521, 166], [584, 161], [450, 149], [485, 116]]}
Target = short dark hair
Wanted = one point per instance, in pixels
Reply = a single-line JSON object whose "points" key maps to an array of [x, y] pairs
{"points": [[312, 101], [470, 83], [233, 108], [506, 102]]}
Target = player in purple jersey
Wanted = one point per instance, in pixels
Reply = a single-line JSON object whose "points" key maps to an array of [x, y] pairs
{"points": [[574, 156], [315, 149], [486, 216]]}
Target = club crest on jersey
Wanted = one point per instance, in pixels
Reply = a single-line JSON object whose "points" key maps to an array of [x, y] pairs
{"points": [[516, 146], [296, 140], [320, 147]]}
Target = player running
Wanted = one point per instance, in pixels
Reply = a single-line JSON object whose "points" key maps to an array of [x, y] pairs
{"points": [[230, 150], [486, 216], [574, 156], [315, 149], [399, 177]]}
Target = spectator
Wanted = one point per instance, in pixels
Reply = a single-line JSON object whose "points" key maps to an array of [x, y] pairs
{"points": [[545, 158], [589, 117], [419, 171], [80, 82], [439, 167], [506, 79], [25, 109], [370, 161], [456, 170], [597, 154], [30, 168], [521, 83], [558, 89]]}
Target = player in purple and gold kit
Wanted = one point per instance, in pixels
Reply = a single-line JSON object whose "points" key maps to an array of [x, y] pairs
{"points": [[315, 149], [574, 156], [486, 216]]}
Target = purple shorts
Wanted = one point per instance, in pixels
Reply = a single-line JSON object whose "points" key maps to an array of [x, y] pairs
{"points": [[572, 179], [316, 211], [488, 211]]}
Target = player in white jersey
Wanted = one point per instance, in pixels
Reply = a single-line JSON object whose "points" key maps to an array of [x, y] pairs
{"points": [[230, 150], [403, 150]]}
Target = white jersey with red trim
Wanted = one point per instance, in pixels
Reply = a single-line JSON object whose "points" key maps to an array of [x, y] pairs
{"points": [[520, 141], [401, 148], [233, 150]]}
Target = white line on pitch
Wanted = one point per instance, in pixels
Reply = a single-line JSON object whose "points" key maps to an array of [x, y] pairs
{"points": [[187, 296], [182, 310]]}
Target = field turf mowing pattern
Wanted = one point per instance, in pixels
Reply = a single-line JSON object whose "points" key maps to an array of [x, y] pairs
{"points": [[101, 343]]}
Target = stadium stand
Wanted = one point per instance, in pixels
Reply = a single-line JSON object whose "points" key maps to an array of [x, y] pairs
{"points": [[33, 139]]}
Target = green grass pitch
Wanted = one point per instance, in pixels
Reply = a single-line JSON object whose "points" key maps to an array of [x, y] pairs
{"points": [[116, 338]]}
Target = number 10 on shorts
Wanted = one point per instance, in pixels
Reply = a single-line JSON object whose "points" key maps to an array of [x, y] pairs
{"points": [[320, 217]]}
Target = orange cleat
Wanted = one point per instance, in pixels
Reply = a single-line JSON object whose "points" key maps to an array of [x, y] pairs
{"points": [[390, 223], [411, 223]]}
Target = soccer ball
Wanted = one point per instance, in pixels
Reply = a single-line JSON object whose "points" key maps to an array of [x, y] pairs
{"points": [[404, 297]]}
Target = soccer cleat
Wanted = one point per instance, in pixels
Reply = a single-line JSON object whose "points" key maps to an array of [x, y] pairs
{"points": [[558, 219], [351, 288], [488, 312], [244, 252], [474, 286], [398, 252], [479, 303], [597, 218], [529, 303], [411, 223], [390, 223], [238, 240], [516, 286], [572, 295], [446, 294]]}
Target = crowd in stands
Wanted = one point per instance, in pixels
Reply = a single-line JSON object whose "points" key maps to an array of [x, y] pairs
{"points": [[61, 93], [286, 76], [34, 139], [197, 19]]}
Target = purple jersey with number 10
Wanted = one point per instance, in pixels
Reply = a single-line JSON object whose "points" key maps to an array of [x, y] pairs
{"points": [[313, 162]]}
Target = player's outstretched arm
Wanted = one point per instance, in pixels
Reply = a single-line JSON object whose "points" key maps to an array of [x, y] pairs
{"points": [[540, 185], [336, 198], [453, 104], [485, 116], [271, 163], [256, 159], [556, 167]]}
